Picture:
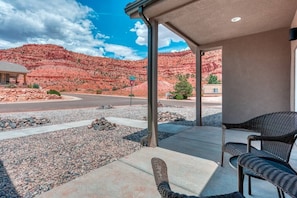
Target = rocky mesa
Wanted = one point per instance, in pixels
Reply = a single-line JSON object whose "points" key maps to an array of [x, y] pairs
{"points": [[53, 67]]}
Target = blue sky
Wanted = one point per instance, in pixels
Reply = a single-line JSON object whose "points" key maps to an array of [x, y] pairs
{"points": [[93, 27]]}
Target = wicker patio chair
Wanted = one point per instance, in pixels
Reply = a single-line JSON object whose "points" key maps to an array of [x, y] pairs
{"points": [[277, 134], [283, 176], [162, 182]]}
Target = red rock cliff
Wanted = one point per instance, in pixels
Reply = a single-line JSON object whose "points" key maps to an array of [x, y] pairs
{"points": [[53, 67]]}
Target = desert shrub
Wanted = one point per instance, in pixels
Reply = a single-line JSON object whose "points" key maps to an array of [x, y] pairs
{"points": [[131, 95], [183, 89], [11, 85], [35, 86], [53, 92], [178, 97], [98, 91], [114, 88]]}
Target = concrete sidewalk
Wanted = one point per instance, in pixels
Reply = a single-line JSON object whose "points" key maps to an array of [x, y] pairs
{"points": [[164, 127], [41, 129]]}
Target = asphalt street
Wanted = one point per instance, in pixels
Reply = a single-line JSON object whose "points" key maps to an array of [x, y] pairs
{"points": [[85, 101]]}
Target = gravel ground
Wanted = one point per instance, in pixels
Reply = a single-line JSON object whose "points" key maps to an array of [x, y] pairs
{"points": [[35, 164]]}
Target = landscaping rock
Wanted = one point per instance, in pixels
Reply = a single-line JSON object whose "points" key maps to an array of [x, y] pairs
{"points": [[6, 123], [169, 116], [102, 125]]}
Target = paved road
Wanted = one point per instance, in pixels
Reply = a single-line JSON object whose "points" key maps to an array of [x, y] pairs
{"points": [[85, 101]]}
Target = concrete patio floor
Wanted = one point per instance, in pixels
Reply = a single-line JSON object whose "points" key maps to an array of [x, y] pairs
{"points": [[191, 157]]}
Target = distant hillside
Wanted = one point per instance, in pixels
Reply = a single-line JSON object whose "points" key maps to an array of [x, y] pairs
{"points": [[53, 67]]}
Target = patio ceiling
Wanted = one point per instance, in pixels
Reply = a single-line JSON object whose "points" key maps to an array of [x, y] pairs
{"points": [[202, 22]]}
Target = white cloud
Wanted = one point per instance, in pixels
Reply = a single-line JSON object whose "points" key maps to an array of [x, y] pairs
{"points": [[121, 52], [165, 36], [181, 50], [62, 22]]}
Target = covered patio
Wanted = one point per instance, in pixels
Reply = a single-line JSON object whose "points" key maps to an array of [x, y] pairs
{"points": [[191, 157], [259, 60], [10, 71], [258, 42]]}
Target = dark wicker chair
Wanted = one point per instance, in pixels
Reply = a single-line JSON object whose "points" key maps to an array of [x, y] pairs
{"points": [[277, 134], [282, 176], [162, 182]]}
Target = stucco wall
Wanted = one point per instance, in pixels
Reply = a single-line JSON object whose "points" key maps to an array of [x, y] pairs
{"points": [[256, 75], [293, 48]]}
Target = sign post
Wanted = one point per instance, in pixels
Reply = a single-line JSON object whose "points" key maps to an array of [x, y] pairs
{"points": [[132, 81]]}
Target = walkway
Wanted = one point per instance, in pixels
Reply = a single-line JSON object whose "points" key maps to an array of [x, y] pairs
{"points": [[169, 128]]}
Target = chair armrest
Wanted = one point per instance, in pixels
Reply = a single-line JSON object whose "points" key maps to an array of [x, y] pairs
{"points": [[287, 138], [261, 138], [229, 126], [232, 126]]}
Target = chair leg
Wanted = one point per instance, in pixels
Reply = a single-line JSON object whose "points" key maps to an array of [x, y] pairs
{"points": [[240, 178], [249, 185], [222, 159], [280, 193]]}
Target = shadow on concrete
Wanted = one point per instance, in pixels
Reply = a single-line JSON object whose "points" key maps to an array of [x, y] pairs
{"points": [[7, 189], [140, 135], [214, 120]]}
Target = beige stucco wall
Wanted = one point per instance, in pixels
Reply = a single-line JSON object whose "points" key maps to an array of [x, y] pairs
{"points": [[209, 89], [256, 75], [293, 48]]}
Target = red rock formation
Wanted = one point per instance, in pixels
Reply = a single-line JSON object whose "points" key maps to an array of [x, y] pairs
{"points": [[53, 67], [24, 94]]}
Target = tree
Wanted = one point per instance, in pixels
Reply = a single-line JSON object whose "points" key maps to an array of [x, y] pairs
{"points": [[183, 89], [213, 79]]}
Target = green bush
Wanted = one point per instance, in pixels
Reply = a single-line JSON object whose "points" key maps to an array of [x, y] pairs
{"points": [[212, 79], [53, 92], [35, 86], [178, 97], [183, 89]]}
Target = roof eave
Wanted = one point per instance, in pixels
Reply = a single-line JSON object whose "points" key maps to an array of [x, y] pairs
{"points": [[131, 9]]}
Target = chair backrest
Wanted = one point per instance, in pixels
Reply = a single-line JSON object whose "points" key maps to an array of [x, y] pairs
{"points": [[276, 124], [163, 186], [161, 179]]}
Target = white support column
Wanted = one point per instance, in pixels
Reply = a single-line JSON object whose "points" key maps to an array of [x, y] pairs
{"points": [[198, 87], [153, 92]]}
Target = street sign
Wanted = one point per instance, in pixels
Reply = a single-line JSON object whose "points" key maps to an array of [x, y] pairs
{"points": [[133, 78]]}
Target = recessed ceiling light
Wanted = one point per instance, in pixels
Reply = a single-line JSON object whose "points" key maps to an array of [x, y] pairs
{"points": [[235, 19]]}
